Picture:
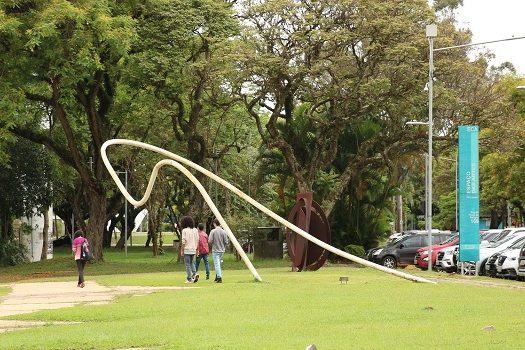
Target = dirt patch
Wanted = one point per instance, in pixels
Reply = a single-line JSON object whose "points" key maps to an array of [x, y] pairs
{"points": [[13, 325], [469, 281], [32, 297]]}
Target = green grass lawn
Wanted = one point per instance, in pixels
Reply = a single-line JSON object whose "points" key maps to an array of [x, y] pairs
{"points": [[138, 239], [286, 311]]}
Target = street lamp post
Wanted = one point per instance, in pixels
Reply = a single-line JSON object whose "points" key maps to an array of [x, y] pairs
{"points": [[431, 32]]}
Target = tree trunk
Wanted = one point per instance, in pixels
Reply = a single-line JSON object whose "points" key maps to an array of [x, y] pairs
{"points": [[97, 222], [495, 219], [3, 226], [197, 205], [228, 202], [152, 231], [6, 227], [45, 234]]}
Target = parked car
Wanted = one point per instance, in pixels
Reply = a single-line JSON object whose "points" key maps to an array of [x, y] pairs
{"points": [[493, 248], [421, 258], [62, 241], [369, 254], [447, 259], [402, 252], [507, 263]]}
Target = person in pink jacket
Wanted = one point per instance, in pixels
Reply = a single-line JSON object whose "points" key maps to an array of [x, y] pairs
{"points": [[77, 244], [202, 251]]}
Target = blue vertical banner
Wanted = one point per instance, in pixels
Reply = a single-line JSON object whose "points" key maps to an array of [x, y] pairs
{"points": [[468, 177]]}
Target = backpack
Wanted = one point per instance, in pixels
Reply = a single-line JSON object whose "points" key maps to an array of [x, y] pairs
{"points": [[85, 254]]}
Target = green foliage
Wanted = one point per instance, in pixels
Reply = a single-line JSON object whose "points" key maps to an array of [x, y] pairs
{"points": [[324, 184], [12, 252], [495, 178], [363, 217], [447, 4], [446, 218], [356, 250], [25, 182], [326, 85], [243, 226]]}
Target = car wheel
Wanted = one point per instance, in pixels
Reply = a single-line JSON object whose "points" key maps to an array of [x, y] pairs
{"points": [[482, 270], [390, 262]]}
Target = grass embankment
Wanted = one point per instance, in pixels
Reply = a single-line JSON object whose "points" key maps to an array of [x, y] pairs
{"points": [[139, 260], [286, 311], [4, 291]]}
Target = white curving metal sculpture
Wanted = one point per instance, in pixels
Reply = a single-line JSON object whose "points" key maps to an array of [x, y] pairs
{"points": [[176, 160]]}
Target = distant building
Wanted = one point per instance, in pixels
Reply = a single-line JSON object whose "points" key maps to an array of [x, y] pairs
{"points": [[33, 237]]}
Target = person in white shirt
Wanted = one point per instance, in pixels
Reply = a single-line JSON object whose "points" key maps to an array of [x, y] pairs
{"points": [[190, 243]]}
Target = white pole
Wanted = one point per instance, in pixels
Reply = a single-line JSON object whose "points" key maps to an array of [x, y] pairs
{"points": [[426, 191], [237, 192], [431, 32]]}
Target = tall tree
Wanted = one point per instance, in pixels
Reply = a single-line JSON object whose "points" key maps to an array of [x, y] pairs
{"points": [[180, 65], [347, 62], [25, 183], [63, 61]]}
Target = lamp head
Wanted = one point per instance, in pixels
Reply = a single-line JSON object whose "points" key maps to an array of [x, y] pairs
{"points": [[432, 30]]}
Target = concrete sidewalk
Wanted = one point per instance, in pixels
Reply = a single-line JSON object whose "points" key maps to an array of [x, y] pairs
{"points": [[31, 297]]}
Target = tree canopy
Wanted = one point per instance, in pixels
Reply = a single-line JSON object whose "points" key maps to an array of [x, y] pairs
{"points": [[277, 96]]}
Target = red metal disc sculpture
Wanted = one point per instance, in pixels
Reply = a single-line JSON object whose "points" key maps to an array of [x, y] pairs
{"points": [[308, 216]]}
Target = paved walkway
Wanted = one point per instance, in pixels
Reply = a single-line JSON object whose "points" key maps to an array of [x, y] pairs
{"points": [[31, 297]]}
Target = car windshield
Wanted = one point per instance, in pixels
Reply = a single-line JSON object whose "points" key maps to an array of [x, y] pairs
{"points": [[487, 236], [394, 241], [518, 244], [499, 236], [505, 240], [450, 239]]}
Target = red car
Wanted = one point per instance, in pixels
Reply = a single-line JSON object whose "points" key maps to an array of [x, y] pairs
{"points": [[421, 258]]}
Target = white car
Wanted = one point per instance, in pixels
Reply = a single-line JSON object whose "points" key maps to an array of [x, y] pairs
{"points": [[447, 259], [487, 251], [507, 262]]}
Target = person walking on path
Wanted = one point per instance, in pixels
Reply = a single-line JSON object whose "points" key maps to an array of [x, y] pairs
{"points": [[218, 241], [78, 240], [202, 251], [190, 242]]}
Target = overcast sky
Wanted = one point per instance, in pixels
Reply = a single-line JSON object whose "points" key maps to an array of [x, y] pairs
{"points": [[494, 20]]}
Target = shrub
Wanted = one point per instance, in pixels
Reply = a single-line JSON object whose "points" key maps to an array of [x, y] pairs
{"points": [[356, 250], [12, 253]]}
